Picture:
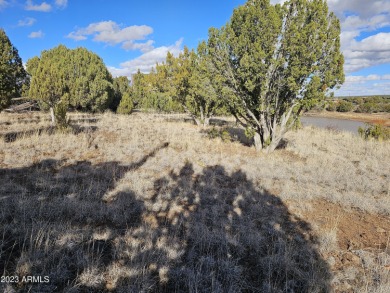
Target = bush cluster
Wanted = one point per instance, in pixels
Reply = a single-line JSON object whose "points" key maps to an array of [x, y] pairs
{"points": [[378, 132]]}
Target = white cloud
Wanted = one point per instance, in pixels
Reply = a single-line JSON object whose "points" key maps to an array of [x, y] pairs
{"points": [[146, 61], [370, 51], [360, 85], [28, 21], [143, 47], [3, 4], [61, 3], [76, 37], [111, 33], [43, 7], [36, 35], [362, 78]]}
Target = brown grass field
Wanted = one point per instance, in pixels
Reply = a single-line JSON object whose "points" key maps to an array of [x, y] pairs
{"points": [[150, 203]]}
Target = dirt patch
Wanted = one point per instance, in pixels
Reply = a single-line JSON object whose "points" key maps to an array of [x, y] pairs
{"points": [[361, 251], [355, 229]]}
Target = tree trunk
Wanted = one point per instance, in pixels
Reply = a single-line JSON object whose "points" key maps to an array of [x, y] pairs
{"points": [[274, 144], [206, 122], [257, 142], [197, 121], [53, 117]]}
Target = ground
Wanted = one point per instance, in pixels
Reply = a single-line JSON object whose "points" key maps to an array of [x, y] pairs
{"points": [[151, 203]]}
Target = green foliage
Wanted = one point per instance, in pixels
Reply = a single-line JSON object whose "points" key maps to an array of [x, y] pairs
{"points": [[378, 132], [60, 110], [50, 79], [155, 90], [249, 132], [274, 62], [344, 106], [332, 106], [121, 87], [366, 108], [77, 77], [90, 83], [13, 76], [126, 105], [373, 104], [223, 134]]}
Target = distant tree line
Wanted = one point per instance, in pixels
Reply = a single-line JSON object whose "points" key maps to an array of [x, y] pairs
{"points": [[372, 104], [266, 66]]}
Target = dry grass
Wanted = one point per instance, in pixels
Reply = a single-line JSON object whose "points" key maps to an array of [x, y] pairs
{"points": [[148, 203]]}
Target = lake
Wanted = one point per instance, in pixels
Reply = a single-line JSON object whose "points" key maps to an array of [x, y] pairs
{"points": [[338, 124]]}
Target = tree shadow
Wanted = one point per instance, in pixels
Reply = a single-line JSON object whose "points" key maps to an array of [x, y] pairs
{"points": [[238, 134], [55, 221], [209, 231], [233, 237], [50, 130], [89, 120], [15, 135]]}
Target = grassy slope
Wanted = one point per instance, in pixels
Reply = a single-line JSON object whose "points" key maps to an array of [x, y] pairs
{"points": [[136, 203]]}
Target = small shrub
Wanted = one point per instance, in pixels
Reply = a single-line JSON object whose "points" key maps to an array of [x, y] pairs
{"points": [[331, 106], [60, 110], [126, 105], [219, 133], [378, 132], [225, 136], [344, 106], [366, 108]]}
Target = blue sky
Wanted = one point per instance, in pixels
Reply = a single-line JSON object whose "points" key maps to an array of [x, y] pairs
{"points": [[136, 34]]}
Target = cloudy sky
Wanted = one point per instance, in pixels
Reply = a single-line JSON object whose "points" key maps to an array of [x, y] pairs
{"points": [[136, 34]]}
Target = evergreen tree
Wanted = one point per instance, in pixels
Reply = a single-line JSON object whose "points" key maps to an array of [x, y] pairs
{"points": [[12, 73], [121, 87], [203, 99], [126, 105], [275, 62], [62, 77], [90, 83], [50, 80]]}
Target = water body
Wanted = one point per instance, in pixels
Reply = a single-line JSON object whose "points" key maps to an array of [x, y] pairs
{"points": [[338, 124]]}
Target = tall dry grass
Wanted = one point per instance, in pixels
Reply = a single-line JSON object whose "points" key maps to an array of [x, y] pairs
{"points": [[149, 203]]}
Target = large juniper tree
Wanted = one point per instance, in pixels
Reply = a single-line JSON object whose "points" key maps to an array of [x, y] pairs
{"points": [[12, 73], [62, 77], [90, 83], [276, 61], [49, 82], [194, 83]]}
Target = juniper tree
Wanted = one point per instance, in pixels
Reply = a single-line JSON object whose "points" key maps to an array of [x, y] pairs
{"points": [[122, 87], [12, 73], [62, 77], [275, 62], [49, 83], [202, 99], [90, 83], [195, 87], [126, 104]]}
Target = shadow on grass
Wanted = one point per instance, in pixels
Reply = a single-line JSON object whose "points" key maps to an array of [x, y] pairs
{"points": [[15, 135], [75, 129], [55, 221], [198, 232], [233, 237], [84, 119]]}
